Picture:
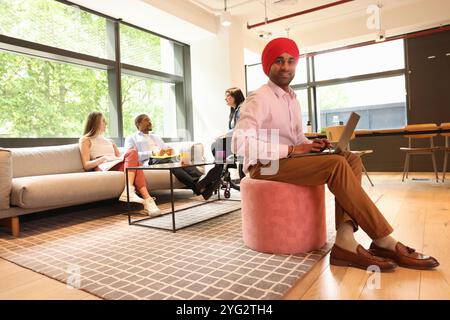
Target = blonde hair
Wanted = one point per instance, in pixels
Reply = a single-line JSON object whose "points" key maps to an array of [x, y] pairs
{"points": [[92, 125]]}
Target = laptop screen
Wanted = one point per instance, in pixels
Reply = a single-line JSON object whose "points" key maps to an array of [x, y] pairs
{"points": [[348, 132]]}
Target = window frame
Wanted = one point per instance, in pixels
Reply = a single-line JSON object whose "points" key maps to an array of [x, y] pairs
{"points": [[311, 85], [114, 68]]}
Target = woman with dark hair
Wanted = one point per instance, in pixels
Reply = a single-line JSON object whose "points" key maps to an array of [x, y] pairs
{"points": [[234, 99], [102, 154]]}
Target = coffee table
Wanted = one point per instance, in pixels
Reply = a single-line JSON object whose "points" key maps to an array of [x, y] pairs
{"points": [[170, 167]]}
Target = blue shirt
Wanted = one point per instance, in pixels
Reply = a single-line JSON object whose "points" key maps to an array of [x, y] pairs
{"points": [[144, 144]]}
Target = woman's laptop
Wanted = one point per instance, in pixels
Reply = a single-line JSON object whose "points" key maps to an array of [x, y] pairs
{"points": [[343, 141]]}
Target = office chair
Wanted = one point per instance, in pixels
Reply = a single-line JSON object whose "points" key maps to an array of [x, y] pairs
{"points": [[446, 148], [410, 150], [227, 183], [334, 134], [221, 150]]}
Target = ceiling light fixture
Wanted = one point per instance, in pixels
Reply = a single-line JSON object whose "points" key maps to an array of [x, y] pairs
{"points": [[265, 12], [264, 34], [380, 36], [225, 17]]}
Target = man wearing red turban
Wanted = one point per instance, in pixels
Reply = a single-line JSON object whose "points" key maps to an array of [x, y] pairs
{"points": [[274, 108], [275, 48]]}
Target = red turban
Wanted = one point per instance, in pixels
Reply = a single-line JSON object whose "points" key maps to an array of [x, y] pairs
{"points": [[275, 48]]}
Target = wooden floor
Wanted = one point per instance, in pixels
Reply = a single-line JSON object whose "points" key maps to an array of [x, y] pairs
{"points": [[419, 211]]}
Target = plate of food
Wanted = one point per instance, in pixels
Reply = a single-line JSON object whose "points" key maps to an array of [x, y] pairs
{"points": [[165, 158]]}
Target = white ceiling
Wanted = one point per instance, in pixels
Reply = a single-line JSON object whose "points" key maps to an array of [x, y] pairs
{"points": [[193, 20], [141, 14], [253, 11], [335, 26]]}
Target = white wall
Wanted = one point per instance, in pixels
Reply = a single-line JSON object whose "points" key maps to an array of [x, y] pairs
{"points": [[217, 64], [236, 48], [210, 77]]}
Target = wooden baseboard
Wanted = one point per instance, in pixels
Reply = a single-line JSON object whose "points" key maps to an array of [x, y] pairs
{"points": [[13, 224]]}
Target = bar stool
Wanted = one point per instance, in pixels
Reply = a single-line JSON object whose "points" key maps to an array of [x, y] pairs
{"points": [[334, 134], [446, 149], [410, 150]]}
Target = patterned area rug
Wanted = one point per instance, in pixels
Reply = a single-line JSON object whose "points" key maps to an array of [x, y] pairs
{"points": [[96, 250]]}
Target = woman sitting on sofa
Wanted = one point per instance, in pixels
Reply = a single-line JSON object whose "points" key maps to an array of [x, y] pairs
{"points": [[102, 154]]}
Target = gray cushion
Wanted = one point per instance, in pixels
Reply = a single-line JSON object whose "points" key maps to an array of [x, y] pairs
{"points": [[5, 178], [66, 189], [160, 179], [38, 161]]}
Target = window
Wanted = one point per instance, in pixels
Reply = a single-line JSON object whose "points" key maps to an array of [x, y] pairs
{"points": [[42, 98], [378, 93], [46, 92], [302, 97], [155, 98], [377, 111], [144, 94], [256, 76], [55, 24], [368, 59], [148, 51], [300, 73]]}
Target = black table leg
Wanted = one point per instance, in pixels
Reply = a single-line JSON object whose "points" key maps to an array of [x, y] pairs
{"points": [[128, 196], [172, 201]]}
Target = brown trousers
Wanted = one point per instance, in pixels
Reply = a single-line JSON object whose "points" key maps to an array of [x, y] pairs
{"points": [[342, 174]]}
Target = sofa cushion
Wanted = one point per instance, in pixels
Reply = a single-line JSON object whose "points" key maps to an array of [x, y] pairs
{"points": [[160, 179], [37, 161], [66, 189], [5, 178]]}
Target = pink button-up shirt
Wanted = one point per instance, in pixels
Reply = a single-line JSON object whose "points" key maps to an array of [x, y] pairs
{"points": [[270, 121]]}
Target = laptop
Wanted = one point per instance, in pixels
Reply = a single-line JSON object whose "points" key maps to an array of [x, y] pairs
{"points": [[343, 141]]}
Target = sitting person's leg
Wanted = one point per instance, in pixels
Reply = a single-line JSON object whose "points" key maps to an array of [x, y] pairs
{"points": [[341, 173], [189, 176], [211, 181], [136, 180], [344, 234], [241, 171], [334, 171], [193, 172]]}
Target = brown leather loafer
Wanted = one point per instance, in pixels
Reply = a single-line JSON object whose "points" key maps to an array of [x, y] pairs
{"points": [[405, 257], [362, 259]]}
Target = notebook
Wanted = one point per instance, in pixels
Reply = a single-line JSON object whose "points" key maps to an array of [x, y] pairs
{"points": [[343, 141]]}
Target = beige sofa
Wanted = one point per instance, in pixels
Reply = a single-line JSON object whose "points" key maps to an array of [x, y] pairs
{"points": [[42, 178]]}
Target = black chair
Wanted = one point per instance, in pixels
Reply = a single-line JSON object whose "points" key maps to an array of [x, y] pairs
{"points": [[221, 150], [227, 183]]}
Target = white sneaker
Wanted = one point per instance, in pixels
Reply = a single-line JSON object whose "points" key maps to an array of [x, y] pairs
{"points": [[133, 196], [151, 208]]}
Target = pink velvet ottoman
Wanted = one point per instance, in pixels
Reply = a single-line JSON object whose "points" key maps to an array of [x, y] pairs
{"points": [[282, 218]]}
